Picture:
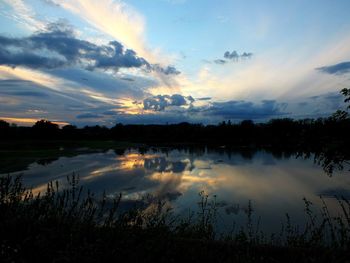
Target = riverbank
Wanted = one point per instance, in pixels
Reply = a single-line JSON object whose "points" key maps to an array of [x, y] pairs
{"points": [[75, 225]]}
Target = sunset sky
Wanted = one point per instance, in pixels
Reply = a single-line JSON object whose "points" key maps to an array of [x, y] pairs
{"points": [[88, 62]]}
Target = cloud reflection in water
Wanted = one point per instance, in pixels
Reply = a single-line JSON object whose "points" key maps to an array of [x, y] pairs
{"points": [[275, 184]]}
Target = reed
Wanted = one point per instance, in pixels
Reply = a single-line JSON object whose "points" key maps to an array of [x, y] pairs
{"points": [[72, 224]]}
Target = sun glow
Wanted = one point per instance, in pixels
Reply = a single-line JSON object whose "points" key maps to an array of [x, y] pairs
{"points": [[29, 121]]}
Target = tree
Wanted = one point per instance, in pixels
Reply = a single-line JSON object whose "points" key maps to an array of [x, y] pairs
{"points": [[346, 93], [341, 115], [45, 125], [4, 125], [69, 127], [45, 129]]}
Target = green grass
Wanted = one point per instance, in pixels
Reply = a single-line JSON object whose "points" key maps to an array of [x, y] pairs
{"points": [[70, 225]]}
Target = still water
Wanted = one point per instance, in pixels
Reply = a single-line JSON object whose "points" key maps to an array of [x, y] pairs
{"points": [[276, 185]]}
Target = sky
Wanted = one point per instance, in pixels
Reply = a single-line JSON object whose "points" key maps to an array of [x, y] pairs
{"points": [[88, 62]]}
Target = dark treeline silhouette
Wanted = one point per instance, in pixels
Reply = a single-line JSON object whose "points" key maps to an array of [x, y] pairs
{"points": [[276, 132], [326, 139]]}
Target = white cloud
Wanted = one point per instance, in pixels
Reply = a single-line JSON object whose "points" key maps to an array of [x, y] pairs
{"points": [[274, 74], [24, 15], [114, 18]]}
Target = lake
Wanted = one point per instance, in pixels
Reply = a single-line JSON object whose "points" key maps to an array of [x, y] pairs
{"points": [[275, 183]]}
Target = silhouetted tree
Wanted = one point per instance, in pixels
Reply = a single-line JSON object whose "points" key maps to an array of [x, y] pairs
{"points": [[45, 129], [4, 125], [346, 93], [45, 125], [4, 129], [69, 128]]}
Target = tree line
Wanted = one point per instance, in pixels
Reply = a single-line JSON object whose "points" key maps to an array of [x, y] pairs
{"points": [[276, 132]]}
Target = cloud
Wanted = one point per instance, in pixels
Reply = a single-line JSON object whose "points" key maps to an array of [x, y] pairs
{"points": [[28, 99], [107, 85], [160, 102], [233, 57], [331, 101], [302, 104], [24, 15], [169, 70], [121, 21], [88, 116], [64, 101], [337, 69], [115, 18], [204, 98], [50, 2], [235, 110], [246, 55], [211, 113], [59, 47], [29, 94], [220, 61], [243, 109], [161, 117], [127, 79]]}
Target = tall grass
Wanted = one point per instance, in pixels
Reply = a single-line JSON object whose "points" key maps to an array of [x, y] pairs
{"points": [[64, 225]]}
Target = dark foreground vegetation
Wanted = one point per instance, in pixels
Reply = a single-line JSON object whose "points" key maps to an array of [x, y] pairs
{"points": [[73, 225]]}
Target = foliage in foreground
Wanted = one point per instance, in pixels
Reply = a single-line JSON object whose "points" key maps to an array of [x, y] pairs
{"points": [[73, 225]]}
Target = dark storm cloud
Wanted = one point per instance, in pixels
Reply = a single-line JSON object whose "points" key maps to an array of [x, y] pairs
{"points": [[160, 102], [337, 69], [243, 109], [66, 50], [58, 47], [117, 57], [27, 60]]}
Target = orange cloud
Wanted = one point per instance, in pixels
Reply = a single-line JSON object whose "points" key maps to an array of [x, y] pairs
{"points": [[28, 121]]}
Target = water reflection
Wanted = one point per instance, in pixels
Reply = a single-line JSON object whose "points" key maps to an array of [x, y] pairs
{"points": [[276, 183]]}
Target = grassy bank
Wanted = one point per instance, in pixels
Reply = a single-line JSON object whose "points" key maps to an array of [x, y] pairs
{"points": [[74, 225]]}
